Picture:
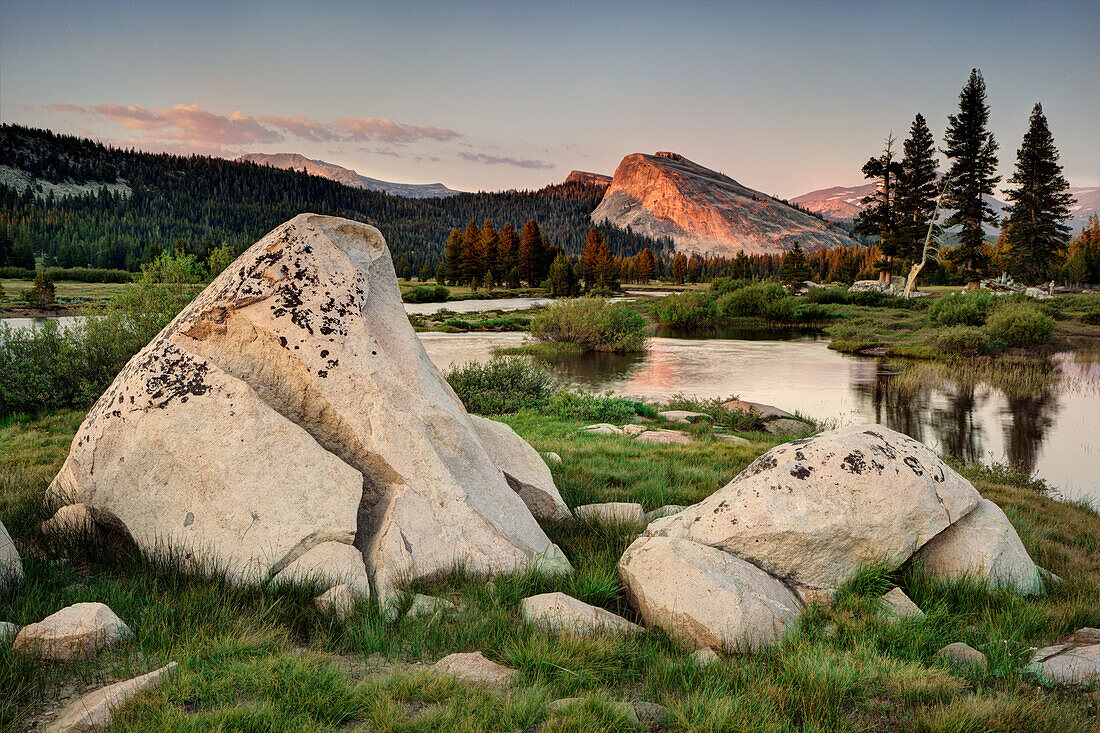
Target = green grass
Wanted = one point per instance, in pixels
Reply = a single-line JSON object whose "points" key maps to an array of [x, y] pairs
{"points": [[252, 659], [68, 293]]}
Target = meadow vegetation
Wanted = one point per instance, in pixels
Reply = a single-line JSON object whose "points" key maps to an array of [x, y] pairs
{"points": [[592, 324]]}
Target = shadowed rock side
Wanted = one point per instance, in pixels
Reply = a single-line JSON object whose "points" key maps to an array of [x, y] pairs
{"points": [[292, 404], [667, 195]]}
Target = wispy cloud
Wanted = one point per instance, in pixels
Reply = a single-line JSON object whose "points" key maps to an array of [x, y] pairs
{"points": [[504, 160]]}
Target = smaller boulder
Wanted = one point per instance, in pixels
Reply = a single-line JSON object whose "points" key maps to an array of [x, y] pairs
{"points": [[664, 437], [684, 416], [762, 411], [338, 600], [559, 612], [1085, 636], [898, 606], [552, 458], [786, 426], [329, 564], [633, 429], [11, 565], [704, 657], [523, 468], [731, 439], [95, 710], [964, 653], [615, 512], [70, 519], [423, 605], [76, 632], [8, 632], [603, 428], [665, 511], [1076, 665], [473, 668]]}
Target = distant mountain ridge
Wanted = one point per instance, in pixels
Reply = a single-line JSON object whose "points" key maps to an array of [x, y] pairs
{"points": [[295, 161], [701, 210]]}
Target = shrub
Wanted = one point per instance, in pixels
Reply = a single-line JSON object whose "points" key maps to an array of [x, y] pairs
{"points": [[570, 405], [963, 309], [72, 274], [828, 296], [1091, 317], [426, 294], [723, 285], [686, 310], [593, 324], [752, 300], [1020, 324], [43, 292], [963, 340], [503, 384]]}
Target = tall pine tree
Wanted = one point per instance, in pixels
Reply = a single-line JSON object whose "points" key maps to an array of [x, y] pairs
{"points": [[916, 191], [973, 154], [1036, 226], [452, 258], [879, 217], [532, 254]]}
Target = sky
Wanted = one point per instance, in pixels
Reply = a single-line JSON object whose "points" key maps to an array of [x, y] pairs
{"points": [[783, 96]]}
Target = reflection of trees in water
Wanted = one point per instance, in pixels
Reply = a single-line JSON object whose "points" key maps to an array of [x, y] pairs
{"points": [[1031, 417], [954, 425], [595, 369], [896, 405]]}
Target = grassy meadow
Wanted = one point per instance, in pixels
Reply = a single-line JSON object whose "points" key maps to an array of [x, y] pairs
{"points": [[253, 659]]}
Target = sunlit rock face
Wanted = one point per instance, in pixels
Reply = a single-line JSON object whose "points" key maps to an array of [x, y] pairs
{"points": [[290, 405], [667, 195]]}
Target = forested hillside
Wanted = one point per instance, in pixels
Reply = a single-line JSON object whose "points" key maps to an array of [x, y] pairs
{"points": [[199, 203]]}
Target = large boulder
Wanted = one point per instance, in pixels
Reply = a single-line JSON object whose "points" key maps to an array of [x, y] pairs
{"points": [[983, 544], [523, 468], [292, 404], [11, 565], [813, 511], [704, 596]]}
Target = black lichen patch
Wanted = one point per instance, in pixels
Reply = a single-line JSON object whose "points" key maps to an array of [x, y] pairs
{"points": [[854, 463], [177, 375], [913, 464], [801, 472]]}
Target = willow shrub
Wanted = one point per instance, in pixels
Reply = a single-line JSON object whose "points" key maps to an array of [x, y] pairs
{"points": [[592, 324]]}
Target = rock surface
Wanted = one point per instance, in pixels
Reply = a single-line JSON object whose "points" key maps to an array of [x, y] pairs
{"points": [[523, 468], [78, 631], [964, 653], [664, 437], [813, 511], [983, 544], [74, 518], [328, 564], [764, 412], [603, 428], [704, 596], [622, 512], [94, 710], [684, 416], [301, 348], [423, 605], [897, 605], [786, 426], [1067, 664], [475, 669], [339, 600], [8, 632], [11, 565], [664, 511], [666, 195], [559, 612]]}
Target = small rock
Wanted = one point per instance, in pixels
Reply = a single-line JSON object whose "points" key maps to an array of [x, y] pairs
{"points": [[731, 439], [560, 612], [617, 512], [8, 632], [339, 599], [603, 428], [552, 458], [665, 511], [11, 565], [473, 668], [897, 606], [961, 652], [650, 713], [664, 437], [423, 605], [70, 519], [786, 426], [1086, 636], [1074, 666], [75, 632], [1037, 294], [94, 710], [633, 429], [684, 416], [655, 399], [764, 412], [704, 657], [329, 563]]}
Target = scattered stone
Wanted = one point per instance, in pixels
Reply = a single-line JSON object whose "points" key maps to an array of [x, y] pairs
{"points": [[665, 511], [704, 596], [603, 428], [731, 439], [654, 399], [328, 564], [898, 606], [523, 468], [633, 429], [339, 600], [704, 657], [423, 605], [94, 710], [473, 668], [1037, 294], [983, 544], [764, 412], [552, 458], [1074, 666], [70, 519], [964, 653], [614, 512], [664, 437], [559, 612], [75, 632], [684, 416], [650, 713], [786, 426], [8, 632], [248, 428], [11, 565], [1085, 636], [814, 511]]}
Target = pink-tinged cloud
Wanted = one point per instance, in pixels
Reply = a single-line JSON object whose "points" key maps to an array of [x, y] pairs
{"points": [[503, 160], [301, 126], [370, 128]]}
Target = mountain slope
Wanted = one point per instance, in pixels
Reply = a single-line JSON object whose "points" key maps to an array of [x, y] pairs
{"points": [[346, 176], [667, 195]]}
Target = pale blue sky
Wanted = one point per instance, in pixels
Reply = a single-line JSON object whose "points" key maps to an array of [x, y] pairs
{"points": [[784, 96]]}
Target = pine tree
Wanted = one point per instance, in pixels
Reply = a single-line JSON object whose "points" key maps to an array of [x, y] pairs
{"points": [[742, 268], [452, 258], [644, 265], [508, 256], [916, 192], [1083, 263], [973, 154], [794, 268], [879, 217], [596, 260], [562, 277], [489, 246], [679, 268], [531, 253], [1036, 226], [473, 264]]}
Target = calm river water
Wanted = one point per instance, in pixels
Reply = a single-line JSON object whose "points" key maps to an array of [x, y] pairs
{"points": [[1054, 431]]}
